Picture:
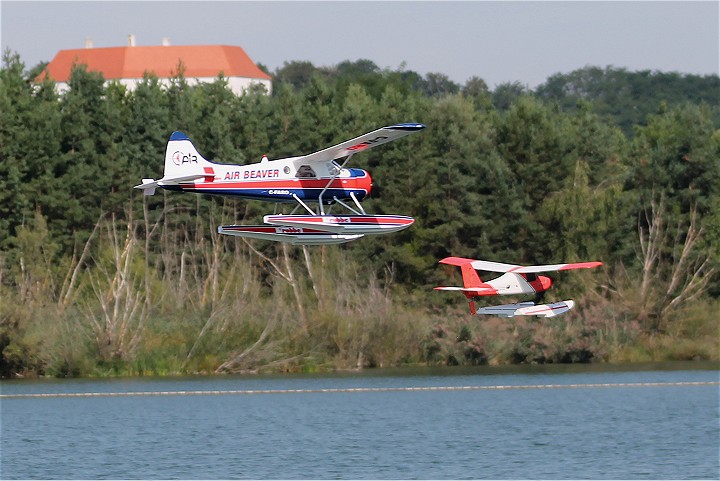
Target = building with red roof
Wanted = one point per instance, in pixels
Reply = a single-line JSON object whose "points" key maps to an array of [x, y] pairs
{"points": [[127, 65]]}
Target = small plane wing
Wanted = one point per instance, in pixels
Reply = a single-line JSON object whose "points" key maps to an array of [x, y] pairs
{"points": [[528, 309], [489, 266], [358, 144]]}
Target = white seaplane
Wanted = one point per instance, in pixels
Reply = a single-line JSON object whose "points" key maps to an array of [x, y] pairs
{"points": [[516, 280], [320, 177]]}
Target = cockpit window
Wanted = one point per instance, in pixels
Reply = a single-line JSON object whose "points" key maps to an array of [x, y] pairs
{"points": [[305, 171]]}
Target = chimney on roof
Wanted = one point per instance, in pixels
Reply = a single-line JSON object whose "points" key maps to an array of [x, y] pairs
{"points": [[131, 40], [166, 41], [88, 42]]}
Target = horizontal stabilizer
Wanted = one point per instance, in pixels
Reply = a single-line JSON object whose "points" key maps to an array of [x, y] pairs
{"points": [[467, 289], [149, 185], [171, 181], [528, 309]]}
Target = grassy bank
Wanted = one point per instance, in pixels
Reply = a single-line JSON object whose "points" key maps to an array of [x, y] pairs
{"points": [[128, 304], [388, 335]]}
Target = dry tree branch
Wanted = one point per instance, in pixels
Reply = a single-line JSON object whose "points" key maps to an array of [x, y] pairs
{"points": [[70, 283], [266, 259]]}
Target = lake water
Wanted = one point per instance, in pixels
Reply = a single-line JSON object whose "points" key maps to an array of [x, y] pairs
{"points": [[556, 422]]}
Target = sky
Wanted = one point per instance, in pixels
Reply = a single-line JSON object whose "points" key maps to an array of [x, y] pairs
{"points": [[505, 41]]}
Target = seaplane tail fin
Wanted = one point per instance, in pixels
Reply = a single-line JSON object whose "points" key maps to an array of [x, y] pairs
{"points": [[183, 164], [469, 274], [471, 280], [182, 158]]}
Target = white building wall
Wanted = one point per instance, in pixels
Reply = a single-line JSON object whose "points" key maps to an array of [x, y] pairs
{"points": [[238, 85]]}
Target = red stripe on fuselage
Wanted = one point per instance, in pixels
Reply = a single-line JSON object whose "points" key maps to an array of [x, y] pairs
{"points": [[356, 183]]}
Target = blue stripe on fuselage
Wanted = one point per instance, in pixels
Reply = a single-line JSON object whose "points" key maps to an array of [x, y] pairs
{"points": [[274, 195]]}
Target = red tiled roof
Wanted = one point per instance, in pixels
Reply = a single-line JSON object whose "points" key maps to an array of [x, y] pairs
{"points": [[132, 62]]}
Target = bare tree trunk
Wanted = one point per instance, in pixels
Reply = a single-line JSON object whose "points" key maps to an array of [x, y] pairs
{"points": [[182, 283], [293, 283], [118, 329], [197, 340], [148, 235], [651, 243], [688, 279], [69, 286], [315, 286], [236, 360], [286, 274], [664, 288], [213, 260]]}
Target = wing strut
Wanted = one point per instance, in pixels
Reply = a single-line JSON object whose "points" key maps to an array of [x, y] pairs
{"points": [[332, 179], [304, 204], [361, 212], [357, 203]]}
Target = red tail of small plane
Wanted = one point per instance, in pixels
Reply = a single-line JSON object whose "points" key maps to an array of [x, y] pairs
{"points": [[469, 275]]}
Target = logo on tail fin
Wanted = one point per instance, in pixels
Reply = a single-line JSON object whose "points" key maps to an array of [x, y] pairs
{"points": [[180, 158]]}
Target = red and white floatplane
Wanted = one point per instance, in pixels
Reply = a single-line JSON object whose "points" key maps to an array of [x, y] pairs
{"points": [[515, 280], [320, 177]]}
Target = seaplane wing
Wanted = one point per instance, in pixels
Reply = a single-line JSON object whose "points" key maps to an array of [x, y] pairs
{"points": [[528, 309], [489, 266], [364, 142]]}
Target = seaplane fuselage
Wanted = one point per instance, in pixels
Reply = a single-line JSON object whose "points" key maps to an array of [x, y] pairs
{"points": [[281, 180]]}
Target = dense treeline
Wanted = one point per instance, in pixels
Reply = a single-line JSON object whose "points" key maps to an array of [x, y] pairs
{"points": [[96, 279]]}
